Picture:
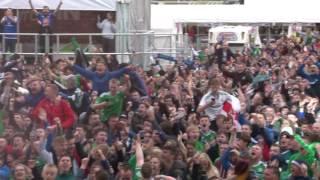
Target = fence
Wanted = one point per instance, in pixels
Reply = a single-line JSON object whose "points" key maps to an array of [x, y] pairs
{"points": [[54, 44]]}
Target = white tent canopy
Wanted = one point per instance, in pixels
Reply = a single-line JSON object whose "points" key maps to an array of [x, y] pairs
{"points": [[254, 11], [85, 5]]}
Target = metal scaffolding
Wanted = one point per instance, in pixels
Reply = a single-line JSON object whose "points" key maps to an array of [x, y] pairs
{"points": [[134, 16]]}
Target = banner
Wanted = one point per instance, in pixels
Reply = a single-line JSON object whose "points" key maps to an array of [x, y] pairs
{"points": [[81, 5]]}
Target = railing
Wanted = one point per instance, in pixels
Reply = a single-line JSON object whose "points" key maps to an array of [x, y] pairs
{"points": [[176, 45]]}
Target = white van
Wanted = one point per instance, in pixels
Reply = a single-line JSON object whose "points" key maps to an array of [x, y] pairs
{"points": [[237, 37]]}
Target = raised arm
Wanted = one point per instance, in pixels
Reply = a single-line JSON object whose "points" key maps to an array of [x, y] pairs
{"points": [[58, 7], [33, 9], [119, 73], [139, 153], [99, 23], [127, 86], [3, 20], [138, 83], [12, 19], [85, 73], [44, 154], [304, 145]]}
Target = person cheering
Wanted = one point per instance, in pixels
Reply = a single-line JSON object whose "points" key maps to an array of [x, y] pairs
{"points": [[53, 111]]}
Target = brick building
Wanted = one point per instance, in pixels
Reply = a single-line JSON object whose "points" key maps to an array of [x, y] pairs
{"points": [[65, 22]]}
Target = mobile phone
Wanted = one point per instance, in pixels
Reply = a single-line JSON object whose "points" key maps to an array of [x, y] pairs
{"points": [[238, 134], [141, 135]]}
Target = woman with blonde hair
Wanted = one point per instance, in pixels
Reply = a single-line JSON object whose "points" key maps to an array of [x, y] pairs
{"points": [[203, 167]]}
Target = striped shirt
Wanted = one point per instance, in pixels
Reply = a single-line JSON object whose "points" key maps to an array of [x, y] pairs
{"points": [[9, 26]]}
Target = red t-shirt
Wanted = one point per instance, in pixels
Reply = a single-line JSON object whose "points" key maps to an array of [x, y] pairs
{"points": [[61, 109]]}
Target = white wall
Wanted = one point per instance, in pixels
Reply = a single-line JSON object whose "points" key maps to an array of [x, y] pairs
{"points": [[254, 11]]}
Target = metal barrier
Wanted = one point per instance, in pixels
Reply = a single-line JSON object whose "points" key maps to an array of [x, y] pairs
{"points": [[177, 44]]}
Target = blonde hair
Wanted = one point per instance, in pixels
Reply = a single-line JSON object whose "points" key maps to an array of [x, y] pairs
{"points": [[156, 152], [211, 170], [114, 81], [104, 148], [49, 166], [192, 128]]}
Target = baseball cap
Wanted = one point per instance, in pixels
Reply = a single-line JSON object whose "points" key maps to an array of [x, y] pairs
{"points": [[287, 130]]}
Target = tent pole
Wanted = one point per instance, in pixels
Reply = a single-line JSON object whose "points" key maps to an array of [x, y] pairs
{"points": [[18, 26], [269, 34]]}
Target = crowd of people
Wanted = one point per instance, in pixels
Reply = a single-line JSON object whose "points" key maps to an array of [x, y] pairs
{"points": [[251, 114]]}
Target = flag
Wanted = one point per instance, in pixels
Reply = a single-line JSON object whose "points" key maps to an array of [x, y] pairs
{"points": [[71, 46], [226, 109], [232, 108], [81, 58]]}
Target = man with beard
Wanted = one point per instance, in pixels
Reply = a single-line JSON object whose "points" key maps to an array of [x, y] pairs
{"points": [[45, 20], [223, 54], [240, 75], [36, 93], [53, 110]]}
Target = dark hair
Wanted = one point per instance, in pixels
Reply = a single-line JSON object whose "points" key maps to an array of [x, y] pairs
{"points": [[214, 82], [100, 61], [241, 167], [166, 127], [53, 87], [19, 135], [68, 68], [204, 116], [99, 130], [146, 170], [102, 175], [171, 147], [84, 127], [275, 170], [169, 96], [244, 137]]}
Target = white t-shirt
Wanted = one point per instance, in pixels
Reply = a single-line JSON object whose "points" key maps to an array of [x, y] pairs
{"points": [[107, 27], [220, 98]]}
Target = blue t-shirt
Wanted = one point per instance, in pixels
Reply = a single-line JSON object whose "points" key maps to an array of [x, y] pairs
{"points": [[45, 20], [9, 26]]}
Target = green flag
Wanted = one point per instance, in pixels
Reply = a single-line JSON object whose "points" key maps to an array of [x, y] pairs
{"points": [[71, 46]]}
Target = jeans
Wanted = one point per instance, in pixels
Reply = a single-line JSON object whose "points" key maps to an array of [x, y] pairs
{"points": [[42, 39], [10, 45], [108, 45]]}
